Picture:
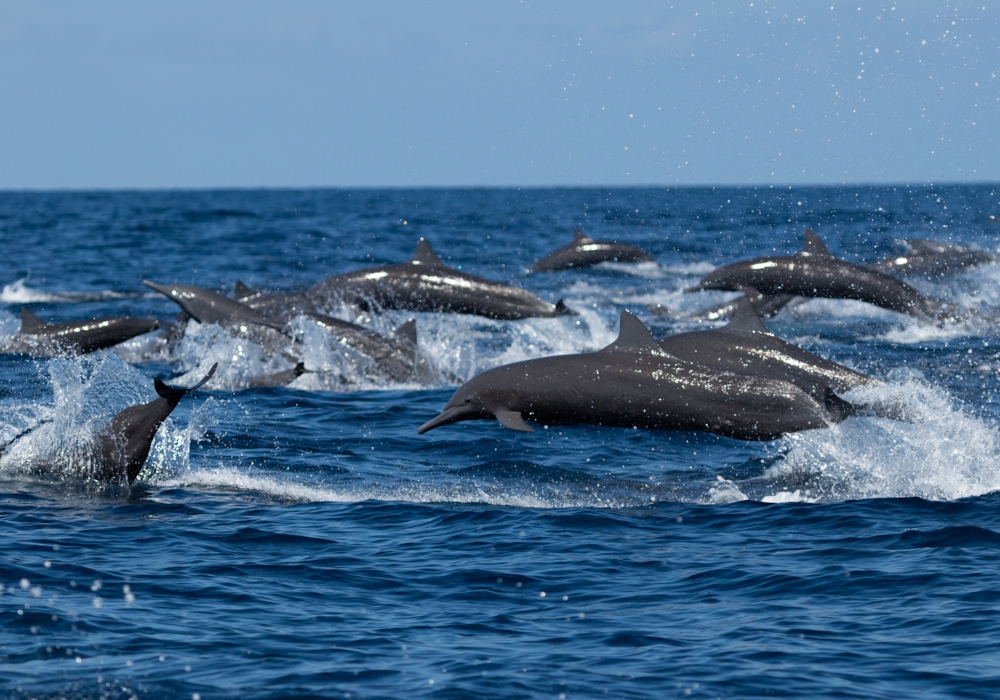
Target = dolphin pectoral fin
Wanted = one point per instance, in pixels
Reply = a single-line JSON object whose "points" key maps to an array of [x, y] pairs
{"points": [[425, 255], [838, 408], [815, 247], [746, 318], [30, 323], [513, 420]]}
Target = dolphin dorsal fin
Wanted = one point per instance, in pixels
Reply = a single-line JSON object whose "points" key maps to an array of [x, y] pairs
{"points": [[174, 394], [425, 255], [578, 236], [815, 247], [634, 337], [407, 332], [243, 291], [746, 318], [29, 322]]}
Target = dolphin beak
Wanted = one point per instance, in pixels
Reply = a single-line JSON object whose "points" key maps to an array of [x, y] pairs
{"points": [[448, 415], [158, 287]]}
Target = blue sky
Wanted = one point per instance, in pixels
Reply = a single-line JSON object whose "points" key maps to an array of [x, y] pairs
{"points": [[247, 94]]}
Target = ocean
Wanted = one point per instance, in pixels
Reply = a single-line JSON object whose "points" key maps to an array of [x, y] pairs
{"points": [[304, 541]]}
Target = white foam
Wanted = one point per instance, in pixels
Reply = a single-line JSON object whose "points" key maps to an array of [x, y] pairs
{"points": [[18, 292], [945, 453], [284, 489]]}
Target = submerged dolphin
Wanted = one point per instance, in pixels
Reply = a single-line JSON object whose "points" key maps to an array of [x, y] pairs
{"points": [[635, 383], [76, 337], [746, 346], [424, 283], [584, 252], [121, 447], [815, 272]]}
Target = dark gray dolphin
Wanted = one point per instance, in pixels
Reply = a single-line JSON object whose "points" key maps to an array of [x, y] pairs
{"points": [[206, 306], [395, 356], [932, 259], [76, 337], [815, 272], [121, 447], [584, 252], [746, 346], [635, 383], [424, 283]]}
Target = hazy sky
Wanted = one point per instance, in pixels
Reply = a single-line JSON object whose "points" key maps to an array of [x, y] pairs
{"points": [[299, 93]]}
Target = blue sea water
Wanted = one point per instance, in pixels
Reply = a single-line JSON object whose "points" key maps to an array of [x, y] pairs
{"points": [[306, 542]]}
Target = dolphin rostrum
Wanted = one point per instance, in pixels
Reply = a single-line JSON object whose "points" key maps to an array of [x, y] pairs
{"points": [[584, 252], [746, 346], [76, 337], [635, 383], [424, 283], [121, 447], [815, 272]]}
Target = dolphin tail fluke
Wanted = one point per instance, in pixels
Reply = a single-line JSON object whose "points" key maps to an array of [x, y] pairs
{"points": [[563, 310], [174, 394], [29, 322]]}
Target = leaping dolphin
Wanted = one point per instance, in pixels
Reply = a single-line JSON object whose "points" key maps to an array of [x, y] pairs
{"points": [[635, 383], [585, 252], [815, 272], [424, 283], [121, 447], [76, 337]]}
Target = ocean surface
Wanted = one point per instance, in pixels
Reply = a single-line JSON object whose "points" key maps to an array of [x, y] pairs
{"points": [[304, 541]]}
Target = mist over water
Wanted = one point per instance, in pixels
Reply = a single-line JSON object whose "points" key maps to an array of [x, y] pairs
{"points": [[304, 540]]}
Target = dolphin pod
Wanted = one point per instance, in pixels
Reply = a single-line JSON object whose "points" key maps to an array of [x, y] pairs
{"points": [[585, 252], [635, 383], [76, 337], [424, 283], [815, 272]]}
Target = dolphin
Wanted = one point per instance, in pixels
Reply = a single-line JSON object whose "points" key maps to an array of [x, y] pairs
{"points": [[396, 356], [121, 447], [206, 306], [746, 346], [424, 283], [584, 252], [932, 259], [634, 382], [76, 337], [815, 272]]}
